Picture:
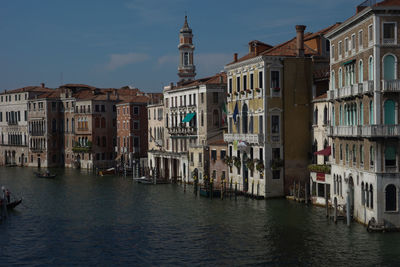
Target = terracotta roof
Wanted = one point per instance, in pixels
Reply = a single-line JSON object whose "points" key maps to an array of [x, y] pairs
{"points": [[389, 3], [289, 49], [135, 99], [53, 94], [321, 97], [219, 142], [216, 79], [27, 89], [77, 85], [322, 32], [261, 48]]}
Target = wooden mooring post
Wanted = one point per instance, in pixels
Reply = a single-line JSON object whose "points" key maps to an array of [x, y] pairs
{"points": [[235, 190]]}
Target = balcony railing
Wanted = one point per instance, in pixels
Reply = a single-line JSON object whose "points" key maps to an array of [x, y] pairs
{"points": [[249, 138], [351, 90], [364, 131], [182, 130], [12, 122], [391, 86]]}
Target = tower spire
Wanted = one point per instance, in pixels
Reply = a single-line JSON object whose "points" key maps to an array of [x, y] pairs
{"points": [[186, 68]]}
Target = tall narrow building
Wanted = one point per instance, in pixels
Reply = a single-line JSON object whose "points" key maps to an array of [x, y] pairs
{"points": [[186, 69]]}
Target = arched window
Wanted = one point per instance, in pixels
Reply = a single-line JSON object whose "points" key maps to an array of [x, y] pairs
{"points": [[333, 85], [361, 122], [340, 185], [371, 196], [371, 69], [251, 125], [340, 115], [371, 156], [341, 152], [391, 198], [325, 115], [244, 115], [390, 112], [390, 156], [315, 149], [389, 68], [334, 184], [366, 195], [340, 78], [333, 150], [360, 72], [333, 117], [316, 116], [347, 152], [354, 154], [186, 59], [362, 194], [202, 118], [371, 112]]}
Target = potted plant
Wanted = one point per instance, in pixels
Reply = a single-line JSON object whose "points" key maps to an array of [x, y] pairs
{"points": [[235, 93], [237, 162], [276, 164], [250, 164], [242, 92], [258, 90], [228, 161], [248, 91], [260, 166]]}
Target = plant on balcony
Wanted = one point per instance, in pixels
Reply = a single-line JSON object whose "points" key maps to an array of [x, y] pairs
{"points": [[229, 94], [242, 92], [260, 166], [258, 90], [228, 161], [236, 93], [237, 162], [250, 164], [276, 89], [248, 91], [276, 164], [320, 168]]}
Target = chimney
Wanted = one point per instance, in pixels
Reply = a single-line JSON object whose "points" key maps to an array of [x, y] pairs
{"points": [[300, 40], [42, 85], [221, 78], [235, 57]]}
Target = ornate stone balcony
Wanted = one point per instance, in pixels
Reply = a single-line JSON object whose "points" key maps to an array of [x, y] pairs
{"points": [[364, 131], [351, 90], [182, 130], [391, 86], [249, 138]]}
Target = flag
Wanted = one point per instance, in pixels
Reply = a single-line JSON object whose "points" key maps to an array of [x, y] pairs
{"points": [[224, 114], [235, 112]]}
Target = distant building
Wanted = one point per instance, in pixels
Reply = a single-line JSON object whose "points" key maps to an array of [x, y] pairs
{"points": [[14, 124], [156, 136], [218, 167]]}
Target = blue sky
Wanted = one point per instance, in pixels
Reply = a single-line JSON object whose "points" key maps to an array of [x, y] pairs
{"points": [[112, 43]]}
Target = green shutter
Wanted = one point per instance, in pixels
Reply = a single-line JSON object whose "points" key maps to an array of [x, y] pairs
{"points": [[388, 64], [389, 112], [390, 153]]}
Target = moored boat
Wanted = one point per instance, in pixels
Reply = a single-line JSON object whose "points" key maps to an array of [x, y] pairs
{"points": [[13, 204], [45, 175]]}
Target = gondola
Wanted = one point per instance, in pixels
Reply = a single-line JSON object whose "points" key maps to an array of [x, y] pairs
{"points": [[45, 175], [13, 204]]}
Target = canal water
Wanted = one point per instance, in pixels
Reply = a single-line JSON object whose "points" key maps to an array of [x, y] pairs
{"points": [[81, 219]]}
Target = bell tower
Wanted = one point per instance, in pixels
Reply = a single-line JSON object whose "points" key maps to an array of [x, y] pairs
{"points": [[186, 69]]}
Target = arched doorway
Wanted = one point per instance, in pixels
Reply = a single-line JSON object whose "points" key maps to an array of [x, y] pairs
{"points": [[244, 116], [351, 195], [245, 173], [22, 159]]}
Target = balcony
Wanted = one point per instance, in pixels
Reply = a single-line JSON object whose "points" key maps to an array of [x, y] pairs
{"points": [[351, 90], [381, 131], [364, 131], [182, 130], [37, 150], [12, 122], [248, 138], [79, 149], [391, 86], [38, 133]]}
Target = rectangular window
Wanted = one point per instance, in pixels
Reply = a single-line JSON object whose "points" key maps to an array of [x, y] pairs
{"points": [[223, 154], [260, 124], [360, 40], [370, 33], [275, 124], [200, 156], [1, 116], [238, 84], [230, 124], [260, 79], [251, 81], [244, 82], [194, 99], [229, 87], [333, 52], [202, 98], [261, 154], [361, 154], [276, 174], [191, 157], [353, 41], [136, 125], [103, 108], [230, 151], [96, 108], [214, 155], [275, 84], [346, 45], [389, 33], [136, 142], [136, 110], [340, 48]]}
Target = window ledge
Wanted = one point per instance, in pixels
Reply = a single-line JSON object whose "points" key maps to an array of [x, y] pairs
{"points": [[391, 212]]}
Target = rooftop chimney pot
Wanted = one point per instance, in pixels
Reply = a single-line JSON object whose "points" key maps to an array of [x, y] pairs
{"points": [[42, 85], [235, 57], [300, 40]]}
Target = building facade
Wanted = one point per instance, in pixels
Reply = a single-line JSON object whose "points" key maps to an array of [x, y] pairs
{"points": [[14, 124], [269, 96], [364, 94]]}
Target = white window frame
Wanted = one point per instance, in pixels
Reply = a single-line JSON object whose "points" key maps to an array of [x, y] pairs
{"points": [[333, 53], [360, 40], [370, 35], [272, 92], [346, 46], [276, 135], [340, 50], [353, 42]]}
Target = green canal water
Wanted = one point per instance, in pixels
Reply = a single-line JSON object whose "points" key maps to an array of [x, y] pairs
{"points": [[82, 219]]}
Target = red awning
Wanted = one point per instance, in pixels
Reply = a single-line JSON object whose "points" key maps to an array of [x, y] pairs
{"points": [[324, 152]]}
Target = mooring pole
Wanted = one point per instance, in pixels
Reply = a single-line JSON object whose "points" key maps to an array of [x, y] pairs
{"points": [[335, 210], [348, 207], [326, 201], [235, 190]]}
